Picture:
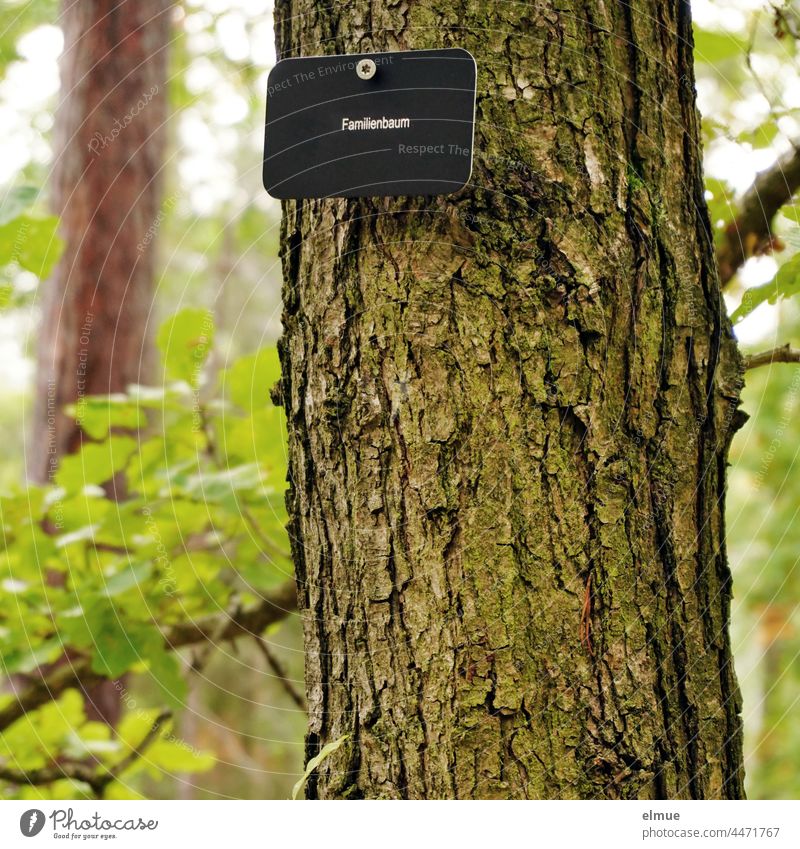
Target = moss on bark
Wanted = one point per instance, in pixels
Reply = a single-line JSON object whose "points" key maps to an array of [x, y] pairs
{"points": [[509, 412]]}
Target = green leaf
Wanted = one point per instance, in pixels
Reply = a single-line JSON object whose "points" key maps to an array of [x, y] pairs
{"points": [[223, 486], [19, 18], [761, 136], [327, 750], [93, 738], [23, 508], [33, 657], [185, 342], [712, 47], [165, 670], [249, 380], [784, 284], [83, 534], [792, 213], [134, 727], [259, 438], [263, 575], [133, 575], [169, 752], [95, 463], [116, 644], [96, 415], [32, 243], [32, 550], [122, 645], [195, 569], [73, 511], [121, 790], [37, 738]]}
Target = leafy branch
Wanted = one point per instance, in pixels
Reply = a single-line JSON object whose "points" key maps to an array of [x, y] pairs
{"points": [[198, 537], [275, 606], [750, 233], [280, 673], [97, 780]]}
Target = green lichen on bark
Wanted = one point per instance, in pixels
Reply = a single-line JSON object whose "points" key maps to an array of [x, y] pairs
{"points": [[509, 412]]}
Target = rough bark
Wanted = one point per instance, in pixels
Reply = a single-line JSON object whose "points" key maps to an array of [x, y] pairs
{"points": [[509, 412], [109, 149]]}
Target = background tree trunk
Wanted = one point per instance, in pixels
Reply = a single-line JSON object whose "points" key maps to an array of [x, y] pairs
{"points": [[509, 412], [106, 186], [109, 145]]}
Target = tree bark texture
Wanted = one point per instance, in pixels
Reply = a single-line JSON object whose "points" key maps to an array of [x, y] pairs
{"points": [[109, 146], [509, 412]]}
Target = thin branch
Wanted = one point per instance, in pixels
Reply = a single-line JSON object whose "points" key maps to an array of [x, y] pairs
{"points": [[97, 780], [748, 57], [280, 673], [125, 763], [783, 354], [204, 649], [277, 605], [750, 234], [73, 673], [47, 775], [265, 541]]}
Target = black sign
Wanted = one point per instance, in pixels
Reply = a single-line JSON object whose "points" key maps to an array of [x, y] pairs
{"points": [[375, 124]]}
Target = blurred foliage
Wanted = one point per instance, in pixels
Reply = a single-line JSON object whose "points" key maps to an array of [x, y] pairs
{"points": [[764, 549], [209, 446], [748, 78], [201, 530], [763, 507], [20, 17], [60, 733], [784, 284], [28, 242]]}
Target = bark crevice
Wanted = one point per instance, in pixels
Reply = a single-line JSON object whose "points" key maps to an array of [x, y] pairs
{"points": [[509, 412]]}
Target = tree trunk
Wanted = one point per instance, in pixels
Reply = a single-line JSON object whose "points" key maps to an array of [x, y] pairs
{"points": [[106, 186], [509, 413], [109, 150]]}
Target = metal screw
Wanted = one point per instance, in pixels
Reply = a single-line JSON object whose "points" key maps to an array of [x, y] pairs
{"points": [[366, 69]]}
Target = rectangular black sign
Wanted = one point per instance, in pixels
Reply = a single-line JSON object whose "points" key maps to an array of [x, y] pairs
{"points": [[370, 125]]}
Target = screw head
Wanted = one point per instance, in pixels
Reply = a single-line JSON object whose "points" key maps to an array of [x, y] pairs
{"points": [[366, 69]]}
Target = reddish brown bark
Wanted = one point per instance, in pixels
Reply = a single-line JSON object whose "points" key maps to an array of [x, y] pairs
{"points": [[106, 188], [109, 147]]}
